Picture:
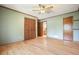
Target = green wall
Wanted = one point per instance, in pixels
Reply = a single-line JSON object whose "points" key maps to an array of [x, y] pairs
{"points": [[55, 26], [11, 26]]}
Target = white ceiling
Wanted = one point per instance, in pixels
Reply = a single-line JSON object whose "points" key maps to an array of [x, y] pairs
{"points": [[57, 9]]}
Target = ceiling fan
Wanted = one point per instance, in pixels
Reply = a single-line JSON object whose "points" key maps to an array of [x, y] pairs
{"points": [[44, 8]]}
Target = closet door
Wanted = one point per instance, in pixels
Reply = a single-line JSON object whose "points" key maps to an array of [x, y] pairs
{"points": [[33, 29], [26, 29], [29, 28]]}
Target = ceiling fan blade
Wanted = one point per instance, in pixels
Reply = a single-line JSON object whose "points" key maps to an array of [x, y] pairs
{"points": [[48, 7], [35, 10], [41, 6]]}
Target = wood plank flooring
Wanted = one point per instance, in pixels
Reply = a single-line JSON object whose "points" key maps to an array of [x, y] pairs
{"points": [[41, 46]]}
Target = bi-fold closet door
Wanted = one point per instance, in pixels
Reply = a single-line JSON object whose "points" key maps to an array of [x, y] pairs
{"points": [[29, 28]]}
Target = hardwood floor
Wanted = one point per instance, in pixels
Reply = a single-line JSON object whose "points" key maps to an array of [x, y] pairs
{"points": [[41, 46]]}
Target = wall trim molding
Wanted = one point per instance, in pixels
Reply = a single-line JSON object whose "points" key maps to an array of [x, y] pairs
{"points": [[18, 11], [58, 15]]}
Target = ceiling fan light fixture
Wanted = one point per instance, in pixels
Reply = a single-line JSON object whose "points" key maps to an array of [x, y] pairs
{"points": [[44, 8], [42, 11]]}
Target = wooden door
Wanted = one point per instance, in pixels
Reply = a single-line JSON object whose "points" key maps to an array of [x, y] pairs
{"points": [[40, 28], [68, 33], [29, 29]]}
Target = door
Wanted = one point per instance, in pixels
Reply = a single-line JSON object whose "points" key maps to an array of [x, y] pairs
{"points": [[29, 29], [68, 32], [40, 28]]}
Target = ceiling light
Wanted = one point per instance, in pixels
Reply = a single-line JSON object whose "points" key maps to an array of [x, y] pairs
{"points": [[44, 8]]}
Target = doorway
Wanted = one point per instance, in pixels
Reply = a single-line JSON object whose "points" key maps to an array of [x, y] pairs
{"points": [[42, 29], [67, 28], [29, 28]]}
